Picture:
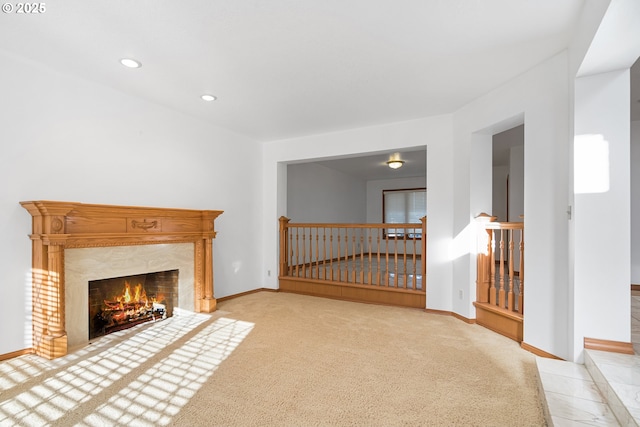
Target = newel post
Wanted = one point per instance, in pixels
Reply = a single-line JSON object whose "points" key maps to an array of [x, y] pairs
{"points": [[483, 261], [284, 245]]}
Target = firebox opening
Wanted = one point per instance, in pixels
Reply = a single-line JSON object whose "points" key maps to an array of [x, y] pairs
{"points": [[122, 302]]}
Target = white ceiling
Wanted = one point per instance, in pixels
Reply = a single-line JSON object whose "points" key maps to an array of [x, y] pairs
{"points": [[286, 68], [374, 166]]}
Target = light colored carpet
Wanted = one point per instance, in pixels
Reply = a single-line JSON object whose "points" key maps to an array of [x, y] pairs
{"points": [[278, 359]]}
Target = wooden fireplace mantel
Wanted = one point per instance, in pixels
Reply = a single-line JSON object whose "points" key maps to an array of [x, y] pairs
{"points": [[59, 225]]}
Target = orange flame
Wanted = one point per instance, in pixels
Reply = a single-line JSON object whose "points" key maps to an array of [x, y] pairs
{"points": [[129, 295]]}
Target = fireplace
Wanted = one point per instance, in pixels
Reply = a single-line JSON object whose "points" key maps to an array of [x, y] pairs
{"points": [[74, 243], [120, 303]]}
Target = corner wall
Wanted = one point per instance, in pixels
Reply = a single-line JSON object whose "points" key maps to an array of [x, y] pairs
{"points": [[541, 96], [602, 297]]}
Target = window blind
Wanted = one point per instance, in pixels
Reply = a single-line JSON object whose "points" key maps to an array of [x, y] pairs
{"points": [[403, 206]]}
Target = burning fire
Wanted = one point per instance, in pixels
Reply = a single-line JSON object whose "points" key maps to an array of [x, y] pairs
{"points": [[132, 306], [126, 306], [139, 294], [136, 295]]}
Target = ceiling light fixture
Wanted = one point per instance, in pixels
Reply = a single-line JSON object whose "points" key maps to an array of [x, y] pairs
{"points": [[395, 163], [208, 97], [130, 63]]}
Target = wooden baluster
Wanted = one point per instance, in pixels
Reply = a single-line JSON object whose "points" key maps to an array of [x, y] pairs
{"points": [[304, 251], [317, 254], [369, 237], [312, 254], [521, 275], [346, 255], [511, 272], [353, 256], [297, 251], [284, 247], [501, 295], [339, 257], [386, 253], [404, 259], [362, 259], [291, 263], [395, 259], [423, 256], [415, 265], [324, 253], [306, 258], [492, 266], [378, 282], [331, 254]]}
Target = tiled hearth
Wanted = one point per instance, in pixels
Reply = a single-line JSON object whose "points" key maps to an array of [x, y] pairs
{"points": [[86, 264], [605, 391]]}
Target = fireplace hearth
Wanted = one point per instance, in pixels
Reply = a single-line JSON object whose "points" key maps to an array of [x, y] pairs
{"points": [[123, 302]]}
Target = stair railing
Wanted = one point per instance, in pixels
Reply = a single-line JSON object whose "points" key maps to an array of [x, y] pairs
{"points": [[500, 263], [378, 255]]}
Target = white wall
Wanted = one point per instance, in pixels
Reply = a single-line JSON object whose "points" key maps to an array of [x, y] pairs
{"points": [[635, 202], [63, 138], [602, 209], [477, 156], [316, 193], [604, 78], [540, 96], [434, 132]]}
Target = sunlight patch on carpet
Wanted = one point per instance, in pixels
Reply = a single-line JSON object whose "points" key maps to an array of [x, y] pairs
{"points": [[162, 390], [140, 389]]}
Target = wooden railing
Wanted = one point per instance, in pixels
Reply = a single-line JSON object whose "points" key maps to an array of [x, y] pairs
{"points": [[500, 271], [358, 255]]}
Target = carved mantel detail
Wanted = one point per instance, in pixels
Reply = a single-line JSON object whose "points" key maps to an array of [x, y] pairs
{"points": [[60, 225]]}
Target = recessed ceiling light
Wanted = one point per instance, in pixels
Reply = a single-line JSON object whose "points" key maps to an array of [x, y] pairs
{"points": [[208, 97], [130, 63]]}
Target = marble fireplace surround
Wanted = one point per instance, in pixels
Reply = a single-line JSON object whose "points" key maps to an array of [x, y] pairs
{"points": [[101, 241]]}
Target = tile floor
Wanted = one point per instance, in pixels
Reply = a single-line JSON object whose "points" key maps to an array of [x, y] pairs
{"points": [[635, 320], [590, 394]]}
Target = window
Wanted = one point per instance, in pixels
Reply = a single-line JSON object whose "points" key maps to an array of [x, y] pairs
{"points": [[402, 207]]}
